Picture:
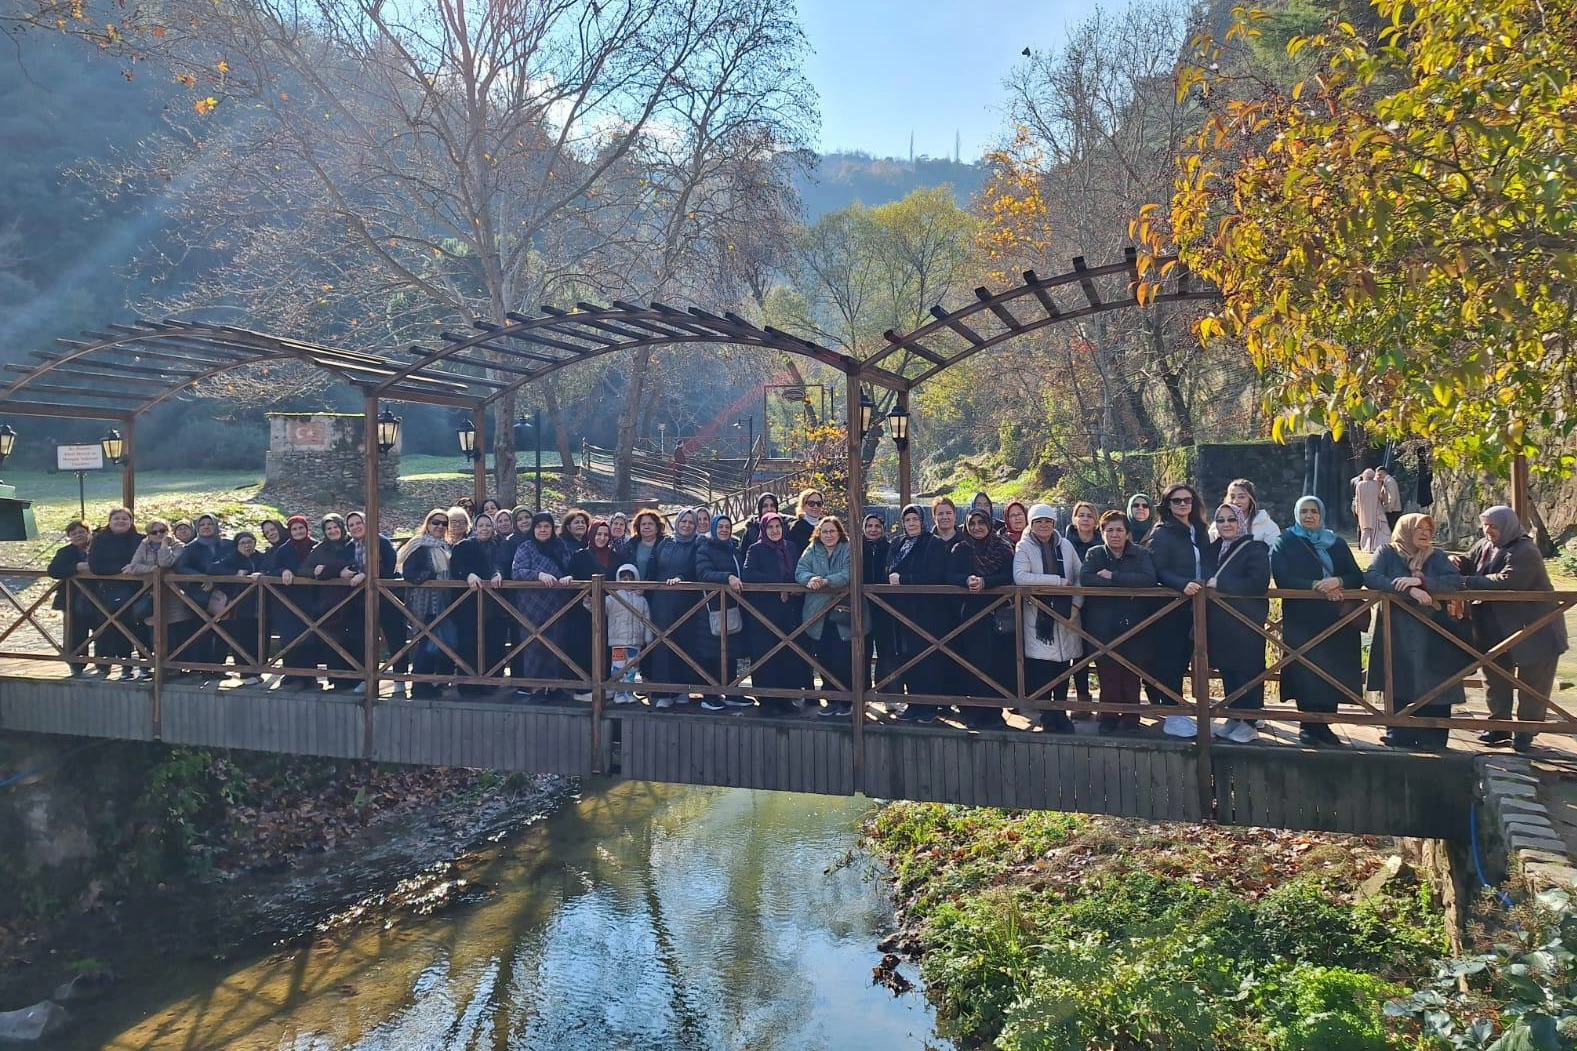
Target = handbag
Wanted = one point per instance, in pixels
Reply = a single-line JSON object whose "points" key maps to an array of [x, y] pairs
{"points": [[1002, 620], [720, 625], [841, 616], [218, 602]]}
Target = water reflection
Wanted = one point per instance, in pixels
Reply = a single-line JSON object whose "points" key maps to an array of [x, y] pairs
{"points": [[644, 916]]}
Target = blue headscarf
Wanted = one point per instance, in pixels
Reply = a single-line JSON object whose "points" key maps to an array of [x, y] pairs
{"points": [[1321, 539], [712, 532]]}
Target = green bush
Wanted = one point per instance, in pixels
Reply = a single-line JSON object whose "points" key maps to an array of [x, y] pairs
{"points": [[1312, 1008]]}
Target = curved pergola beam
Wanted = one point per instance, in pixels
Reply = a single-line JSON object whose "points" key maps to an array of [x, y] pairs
{"points": [[524, 348], [997, 317]]}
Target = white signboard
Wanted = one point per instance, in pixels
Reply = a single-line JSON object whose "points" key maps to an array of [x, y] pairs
{"points": [[79, 457]]}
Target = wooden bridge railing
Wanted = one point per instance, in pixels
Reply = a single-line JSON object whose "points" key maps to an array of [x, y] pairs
{"points": [[169, 626]]}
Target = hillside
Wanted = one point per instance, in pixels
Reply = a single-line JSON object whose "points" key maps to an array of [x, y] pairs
{"points": [[840, 179]]}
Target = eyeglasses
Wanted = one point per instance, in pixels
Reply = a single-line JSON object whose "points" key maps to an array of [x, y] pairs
{"points": [[1178, 500], [813, 503], [437, 522]]}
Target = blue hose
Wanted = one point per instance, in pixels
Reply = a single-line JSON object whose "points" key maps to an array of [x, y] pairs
{"points": [[1478, 859]]}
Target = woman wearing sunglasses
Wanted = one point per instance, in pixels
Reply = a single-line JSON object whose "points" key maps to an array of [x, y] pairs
{"points": [[423, 558], [1184, 560], [811, 506]]}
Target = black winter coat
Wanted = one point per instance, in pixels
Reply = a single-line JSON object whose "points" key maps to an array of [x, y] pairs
{"points": [[1173, 547], [108, 555], [1107, 618], [68, 562], [233, 563], [800, 534], [1233, 644], [926, 563], [716, 561]]}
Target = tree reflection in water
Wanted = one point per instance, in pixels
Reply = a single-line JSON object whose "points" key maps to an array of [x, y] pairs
{"points": [[642, 916]]}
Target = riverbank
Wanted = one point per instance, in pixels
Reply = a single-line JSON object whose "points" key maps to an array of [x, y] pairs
{"points": [[1056, 931], [223, 852]]}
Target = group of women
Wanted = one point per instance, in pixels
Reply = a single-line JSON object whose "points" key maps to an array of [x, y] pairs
{"points": [[950, 642]]}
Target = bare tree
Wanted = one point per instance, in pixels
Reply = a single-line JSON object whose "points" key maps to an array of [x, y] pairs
{"points": [[372, 170]]}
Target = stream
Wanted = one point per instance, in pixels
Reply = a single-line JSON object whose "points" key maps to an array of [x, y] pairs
{"points": [[635, 916]]}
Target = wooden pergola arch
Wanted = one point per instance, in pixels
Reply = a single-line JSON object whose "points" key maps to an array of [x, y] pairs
{"points": [[120, 373]]}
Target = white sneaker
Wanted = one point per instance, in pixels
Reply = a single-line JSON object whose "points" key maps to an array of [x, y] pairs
{"points": [[663, 702], [624, 698], [583, 695], [1179, 726], [1243, 733], [1222, 730], [734, 701]]}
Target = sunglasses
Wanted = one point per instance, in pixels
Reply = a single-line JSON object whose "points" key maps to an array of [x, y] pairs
{"points": [[1180, 500], [813, 503], [437, 522], [1141, 507], [157, 532], [1225, 521]]}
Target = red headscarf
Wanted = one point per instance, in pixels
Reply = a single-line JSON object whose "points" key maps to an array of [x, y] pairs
{"points": [[1009, 534]]}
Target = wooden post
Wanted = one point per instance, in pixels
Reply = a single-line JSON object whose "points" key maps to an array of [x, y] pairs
{"points": [[857, 666], [157, 645], [905, 470], [372, 599], [1201, 682], [128, 476], [479, 465], [599, 659], [1521, 501]]}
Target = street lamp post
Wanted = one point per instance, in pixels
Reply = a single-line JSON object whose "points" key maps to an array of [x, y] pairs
{"points": [[750, 441], [898, 424], [522, 425]]}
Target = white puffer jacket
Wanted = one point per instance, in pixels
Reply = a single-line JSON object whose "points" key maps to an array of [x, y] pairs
{"points": [[624, 627], [1027, 569]]}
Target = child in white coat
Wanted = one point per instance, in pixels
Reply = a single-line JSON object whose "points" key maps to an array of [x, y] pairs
{"points": [[628, 630]]}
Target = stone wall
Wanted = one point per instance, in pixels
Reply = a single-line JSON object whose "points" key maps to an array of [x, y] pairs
{"points": [[1276, 471], [321, 453]]}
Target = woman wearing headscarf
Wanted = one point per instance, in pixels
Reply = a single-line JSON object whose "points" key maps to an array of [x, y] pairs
{"points": [[1235, 649], [1015, 522], [672, 560], [981, 560], [478, 560], [1184, 560], [333, 559], [770, 561], [982, 502], [542, 559], [918, 557], [244, 562], [199, 558], [422, 559], [1507, 559], [1421, 658], [109, 553], [619, 529], [297, 648], [597, 558], [766, 503], [824, 570], [878, 624], [718, 561], [504, 528], [1141, 517], [1042, 558], [273, 532], [1309, 557], [1118, 562]]}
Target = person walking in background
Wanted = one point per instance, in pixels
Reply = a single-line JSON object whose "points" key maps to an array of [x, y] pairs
{"points": [[1390, 496], [1118, 563], [1310, 557], [1507, 559], [1042, 557], [1368, 505], [1236, 649], [1421, 658]]}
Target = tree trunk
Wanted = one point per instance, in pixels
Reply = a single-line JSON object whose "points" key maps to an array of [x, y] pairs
{"points": [[504, 450], [555, 415], [1174, 393], [624, 447]]}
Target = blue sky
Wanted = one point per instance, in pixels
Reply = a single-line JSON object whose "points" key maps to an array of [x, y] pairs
{"points": [[883, 67]]}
